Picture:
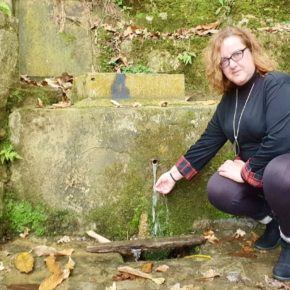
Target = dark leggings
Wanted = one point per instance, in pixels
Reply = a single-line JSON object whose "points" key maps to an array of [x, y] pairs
{"points": [[244, 200]]}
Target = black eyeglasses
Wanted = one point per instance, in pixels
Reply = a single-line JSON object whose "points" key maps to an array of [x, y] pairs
{"points": [[236, 56]]}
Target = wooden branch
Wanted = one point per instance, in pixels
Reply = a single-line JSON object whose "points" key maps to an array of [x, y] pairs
{"points": [[125, 247]]}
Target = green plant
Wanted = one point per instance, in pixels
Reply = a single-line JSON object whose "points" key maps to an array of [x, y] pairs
{"points": [[7, 154], [225, 7], [5, 9], [22, 214], [16, 98], [186, 57], [136, 69], [120, 3]]}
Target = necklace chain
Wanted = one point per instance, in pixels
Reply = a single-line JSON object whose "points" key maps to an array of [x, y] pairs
{"points": [[236, 130]]}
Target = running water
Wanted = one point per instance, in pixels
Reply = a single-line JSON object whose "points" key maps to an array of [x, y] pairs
{"points": [[156, 228]]}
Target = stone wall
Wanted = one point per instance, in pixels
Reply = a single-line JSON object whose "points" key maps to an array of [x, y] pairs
{"points": [[54, 37], [96, 160], [8, 63]]}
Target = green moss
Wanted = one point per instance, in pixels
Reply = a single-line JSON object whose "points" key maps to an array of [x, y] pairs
{"points": [[66, 37], [22, 214], [28, 95], [39, 218], [132, 188], [5, 9], [61, 222]]}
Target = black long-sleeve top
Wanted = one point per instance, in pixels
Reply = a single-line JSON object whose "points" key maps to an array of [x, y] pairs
{"points": [[264, 131]]}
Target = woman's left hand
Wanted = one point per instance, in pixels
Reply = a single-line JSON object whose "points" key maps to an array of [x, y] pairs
{"points": [[232, 170]]}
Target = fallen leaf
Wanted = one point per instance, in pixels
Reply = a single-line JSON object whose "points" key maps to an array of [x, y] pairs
{"points": [[2, 266], [46, 251], [65, 252], [210, 237], [64, 239], [39, 103], [70, 264], [24, 262], [147, 268], [25, 233], [239, 234], [62, 104], [208, 275], [58, 275], [124, 276], [51, 282], [162, 268], [198, 257], [52, 265]]}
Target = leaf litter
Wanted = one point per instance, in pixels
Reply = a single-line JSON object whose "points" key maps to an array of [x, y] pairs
{"points": [[24, 263]]}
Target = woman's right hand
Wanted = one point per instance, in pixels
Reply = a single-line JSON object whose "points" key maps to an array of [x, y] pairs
{"points": [[165, 183]]}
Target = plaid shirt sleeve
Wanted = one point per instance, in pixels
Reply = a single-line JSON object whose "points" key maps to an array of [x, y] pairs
{"points": [[250, 177], [185, 168]]}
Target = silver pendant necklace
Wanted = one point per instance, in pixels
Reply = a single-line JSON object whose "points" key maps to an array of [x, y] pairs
{"points": [[236, 130]]}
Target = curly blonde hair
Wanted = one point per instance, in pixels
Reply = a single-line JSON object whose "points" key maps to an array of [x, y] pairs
{"points": [[215, 76]]}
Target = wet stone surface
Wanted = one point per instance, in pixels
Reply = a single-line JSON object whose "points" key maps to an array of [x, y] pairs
{"points": [[229, 263]]}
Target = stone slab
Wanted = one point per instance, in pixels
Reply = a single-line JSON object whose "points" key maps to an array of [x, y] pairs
{"points": [[128, 86], [82, 159], [50, 44]]}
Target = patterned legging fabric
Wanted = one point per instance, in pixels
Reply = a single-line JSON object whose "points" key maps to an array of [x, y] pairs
{"points": [[244, 200]]}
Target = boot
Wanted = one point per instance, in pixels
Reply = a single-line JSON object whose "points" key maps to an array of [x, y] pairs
{"points": [[271, 237], [281, 270]]}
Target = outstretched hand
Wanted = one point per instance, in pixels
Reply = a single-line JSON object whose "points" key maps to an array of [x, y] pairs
{"points": [[232, 170], [165, 183]]}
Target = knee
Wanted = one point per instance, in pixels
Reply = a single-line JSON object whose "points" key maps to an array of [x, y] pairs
{"points": [[277, 175], [216, 189]]}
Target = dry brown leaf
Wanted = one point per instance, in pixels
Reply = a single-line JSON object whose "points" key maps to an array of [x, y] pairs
{"points": [[162, 268], [64, 239], [25, 233], [70, 264], [39, 103], [239, 234], [210, 237], [24, 262], [51, 282], [124, 276], [65, 252], [62, 104], [147, 268], [52, 265], [44, 250], [58, 275]]}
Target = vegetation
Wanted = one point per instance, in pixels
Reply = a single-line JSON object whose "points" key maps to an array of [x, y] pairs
{"points": [[7, 154], [40, 219], [5, 9], [22, 214]]}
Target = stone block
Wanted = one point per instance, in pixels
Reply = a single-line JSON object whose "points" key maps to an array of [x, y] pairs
{"points": [[50, 43], [90, 158], [128, 86]]}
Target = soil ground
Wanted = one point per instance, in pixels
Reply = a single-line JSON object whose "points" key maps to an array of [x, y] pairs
{"points": [[229, 263]]}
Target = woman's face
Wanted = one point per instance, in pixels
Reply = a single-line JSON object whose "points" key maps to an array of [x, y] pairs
{"points": [[237, 62]]}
